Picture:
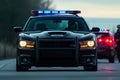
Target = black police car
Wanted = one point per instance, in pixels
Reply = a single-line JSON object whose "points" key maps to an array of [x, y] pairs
{"points": [[53, 38], [106, 47]]}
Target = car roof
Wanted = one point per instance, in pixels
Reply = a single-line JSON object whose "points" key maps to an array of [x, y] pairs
{"points": [[57, 15], [103, 33]]}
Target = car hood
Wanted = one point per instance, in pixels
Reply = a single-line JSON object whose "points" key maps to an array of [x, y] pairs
{"points": [[54, 34]]}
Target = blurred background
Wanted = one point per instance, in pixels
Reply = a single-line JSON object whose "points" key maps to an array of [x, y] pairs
{"points": [[15, 13]]}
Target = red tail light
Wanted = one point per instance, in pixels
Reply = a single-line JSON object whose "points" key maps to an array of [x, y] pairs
{"points": [[99, 40], [106, 40]]}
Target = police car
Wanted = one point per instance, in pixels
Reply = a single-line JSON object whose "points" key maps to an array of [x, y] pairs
{"points": [[106, 45], [55, 38]]}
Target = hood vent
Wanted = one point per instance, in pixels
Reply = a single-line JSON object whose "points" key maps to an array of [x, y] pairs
{"points": [[57, 34]]}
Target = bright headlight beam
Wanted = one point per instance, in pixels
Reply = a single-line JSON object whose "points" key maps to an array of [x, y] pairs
{"points": [[90, 43], [22, 43], [26, 44]]}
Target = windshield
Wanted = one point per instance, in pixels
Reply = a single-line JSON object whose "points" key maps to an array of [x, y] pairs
{"points": [[50, 24]]}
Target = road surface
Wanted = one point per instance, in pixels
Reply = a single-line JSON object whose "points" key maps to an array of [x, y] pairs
{"points": [[106, 71]]}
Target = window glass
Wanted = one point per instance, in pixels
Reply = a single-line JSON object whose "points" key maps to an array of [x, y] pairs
{"points": [[37, 24]]}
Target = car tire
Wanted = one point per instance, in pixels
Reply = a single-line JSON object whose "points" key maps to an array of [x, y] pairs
{"points": [[20, 67], [111, 60], [112, 56], [90, 68]]}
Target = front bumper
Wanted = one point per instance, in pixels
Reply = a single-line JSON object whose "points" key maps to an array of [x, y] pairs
{"points": [[67, 55]]}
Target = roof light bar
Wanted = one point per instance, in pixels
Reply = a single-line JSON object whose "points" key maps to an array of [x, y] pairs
{"points": [[104, 30], [50, 12]]}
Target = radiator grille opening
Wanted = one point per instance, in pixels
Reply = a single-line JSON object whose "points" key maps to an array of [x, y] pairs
{"points": [[57, 43]]}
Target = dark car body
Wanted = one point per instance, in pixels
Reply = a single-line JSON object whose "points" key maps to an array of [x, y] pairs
{"points": [[106, 46], [46, 41]]}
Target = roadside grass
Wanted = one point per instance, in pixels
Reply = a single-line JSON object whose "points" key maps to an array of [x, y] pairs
{"points": [[7, 51]]}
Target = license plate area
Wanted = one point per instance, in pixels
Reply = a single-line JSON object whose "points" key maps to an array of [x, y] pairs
{"points": [[57, 58]]}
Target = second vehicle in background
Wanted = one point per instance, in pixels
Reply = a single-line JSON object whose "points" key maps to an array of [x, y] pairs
{"points": [[105, 42]]}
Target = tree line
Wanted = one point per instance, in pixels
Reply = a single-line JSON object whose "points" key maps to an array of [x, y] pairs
{"points": [[15, 13]]}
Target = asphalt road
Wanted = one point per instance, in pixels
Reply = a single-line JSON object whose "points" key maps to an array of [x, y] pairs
{"points": [[106, 71]]}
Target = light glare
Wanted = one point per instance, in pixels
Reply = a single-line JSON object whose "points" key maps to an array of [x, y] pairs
{"points": [[23, 43], [90, 43]]}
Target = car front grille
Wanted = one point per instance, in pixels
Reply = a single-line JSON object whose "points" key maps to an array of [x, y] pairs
{"points": [[57, 43], [57, 52]]}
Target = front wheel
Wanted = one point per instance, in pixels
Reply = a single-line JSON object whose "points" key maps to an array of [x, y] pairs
{"points": [[90, 68], [111, 60], [21, 67]]}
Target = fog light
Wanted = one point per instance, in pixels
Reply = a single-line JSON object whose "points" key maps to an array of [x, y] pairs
{"points": [[25, 60], [88, 60]]}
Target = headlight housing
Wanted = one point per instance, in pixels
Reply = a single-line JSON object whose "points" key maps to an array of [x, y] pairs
{"points": [[26, 44], [87, 44]]}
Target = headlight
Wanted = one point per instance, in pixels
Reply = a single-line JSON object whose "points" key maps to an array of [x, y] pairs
{"points": [[90, 43], [87, 44], [26, 44]]}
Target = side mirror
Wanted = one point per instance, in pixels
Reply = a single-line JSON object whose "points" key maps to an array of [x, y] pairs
{"points": [[17, 29], [95, 29]]}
